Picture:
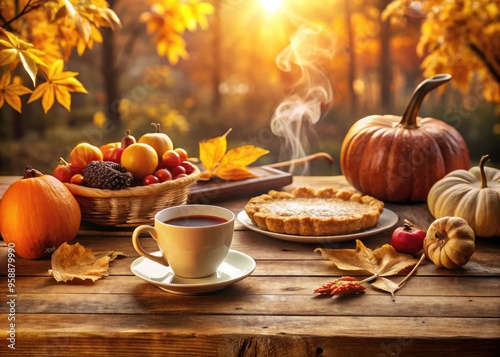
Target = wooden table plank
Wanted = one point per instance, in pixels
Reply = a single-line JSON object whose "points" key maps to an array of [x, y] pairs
{"points": [[133, 335], [258, 285], [481, 264], [377, 327], [240, 303]]}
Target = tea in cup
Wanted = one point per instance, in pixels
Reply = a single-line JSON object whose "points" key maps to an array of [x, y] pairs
{"points": [[193, 239]]}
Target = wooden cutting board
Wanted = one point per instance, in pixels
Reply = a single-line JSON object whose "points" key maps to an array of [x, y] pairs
{"points": [[216, 189]]}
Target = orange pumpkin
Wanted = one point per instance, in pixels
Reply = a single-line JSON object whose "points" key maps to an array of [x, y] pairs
{"points": [[37, 214], [107, 146], [84, 153], [398, 159]]}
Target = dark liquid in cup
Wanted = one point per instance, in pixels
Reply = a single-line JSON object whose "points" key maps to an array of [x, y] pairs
{"points": [[196, 221]]}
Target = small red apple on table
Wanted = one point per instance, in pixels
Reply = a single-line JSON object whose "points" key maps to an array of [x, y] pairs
{"points": [[408, 239]]}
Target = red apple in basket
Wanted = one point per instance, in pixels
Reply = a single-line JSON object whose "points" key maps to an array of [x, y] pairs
{"points": [[65, 171], [113, 154]]}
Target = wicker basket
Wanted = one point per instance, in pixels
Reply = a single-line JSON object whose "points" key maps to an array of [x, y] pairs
{"points": [[131, 206]]}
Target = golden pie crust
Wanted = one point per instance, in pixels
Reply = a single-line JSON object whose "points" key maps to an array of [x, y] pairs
{"points": [[310, 212]]}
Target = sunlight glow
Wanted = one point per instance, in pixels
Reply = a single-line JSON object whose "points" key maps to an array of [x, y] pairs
{"points": [[271, 5]]}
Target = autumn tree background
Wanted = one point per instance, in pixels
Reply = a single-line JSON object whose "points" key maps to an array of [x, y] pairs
{"points": [[209, 67]]}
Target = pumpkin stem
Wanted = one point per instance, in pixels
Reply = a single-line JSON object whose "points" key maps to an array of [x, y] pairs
{"points": [[441, 237], [484, 182], [30, 172], [157, 126], [409, 119], [62, 161]]}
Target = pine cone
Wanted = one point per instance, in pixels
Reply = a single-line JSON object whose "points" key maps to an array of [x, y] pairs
{"points": [[106, 175]]}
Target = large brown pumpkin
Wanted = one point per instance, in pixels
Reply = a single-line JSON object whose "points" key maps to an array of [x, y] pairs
{"points": [[398, 159]]}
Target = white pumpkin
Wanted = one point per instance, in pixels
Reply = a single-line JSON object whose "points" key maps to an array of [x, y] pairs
{"points": [[473, 195]]}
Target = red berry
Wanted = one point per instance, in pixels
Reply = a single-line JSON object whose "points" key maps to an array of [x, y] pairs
{"points": [[170, 158], [188, 166], [149, 180], [163, 175], [160, 164], [182, 154], [77, 179], [177, 170]]}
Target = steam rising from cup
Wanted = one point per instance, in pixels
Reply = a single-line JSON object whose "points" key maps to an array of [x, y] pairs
{"points": [[310, 47]]}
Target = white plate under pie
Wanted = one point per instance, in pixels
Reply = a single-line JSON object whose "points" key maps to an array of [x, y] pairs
{"points": [[235, 267], [387, 220]]}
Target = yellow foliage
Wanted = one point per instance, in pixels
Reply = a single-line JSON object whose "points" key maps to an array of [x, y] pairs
{"points": [[58, 86], [174, 119], [99, 119], [57, 28], [10, 91], [40, 35], [457, 37], [169, 19]]}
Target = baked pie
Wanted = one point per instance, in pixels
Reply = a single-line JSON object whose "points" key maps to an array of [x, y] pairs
{"points": [[310, 212]]}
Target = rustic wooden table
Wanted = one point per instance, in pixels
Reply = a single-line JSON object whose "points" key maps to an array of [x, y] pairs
{"points": [[273, 312]]}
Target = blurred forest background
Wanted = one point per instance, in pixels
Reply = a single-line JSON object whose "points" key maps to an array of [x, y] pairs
{"points": [[235, 74]]}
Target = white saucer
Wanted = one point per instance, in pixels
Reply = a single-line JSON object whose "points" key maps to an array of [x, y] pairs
{"points": [[235, 267], [387, 220]]}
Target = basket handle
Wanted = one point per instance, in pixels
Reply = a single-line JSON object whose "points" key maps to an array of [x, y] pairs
{"points": [[138, 247]]}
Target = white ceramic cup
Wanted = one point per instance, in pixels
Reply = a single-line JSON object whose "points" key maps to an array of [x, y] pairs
{"points": [[191, 251]]}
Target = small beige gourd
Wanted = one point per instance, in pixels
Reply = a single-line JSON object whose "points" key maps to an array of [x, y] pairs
{"points": [[449, 242]]}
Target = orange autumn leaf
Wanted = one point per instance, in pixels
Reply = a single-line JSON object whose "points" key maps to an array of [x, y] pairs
{"points": [[230, 165], [233, 164], [58, 86], [77, 262], [233, 173], [212, 151], [242, 156]]}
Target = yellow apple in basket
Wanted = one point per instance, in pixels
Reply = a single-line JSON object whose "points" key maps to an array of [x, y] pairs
{"points": [[157, 140]]}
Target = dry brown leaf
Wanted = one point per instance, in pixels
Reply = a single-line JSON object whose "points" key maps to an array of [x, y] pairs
{"points": [[381, 263], [77, 262]]}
